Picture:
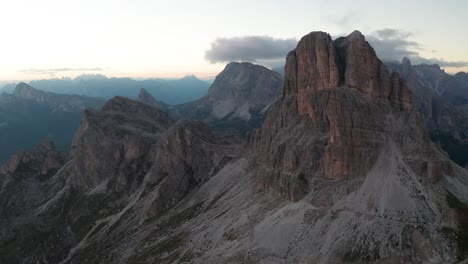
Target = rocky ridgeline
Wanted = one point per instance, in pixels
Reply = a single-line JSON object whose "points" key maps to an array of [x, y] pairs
{"points": [[59, 102]]}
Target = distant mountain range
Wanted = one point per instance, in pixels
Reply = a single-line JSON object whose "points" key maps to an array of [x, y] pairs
{"points": [[170, 91], [235, 104], [442, 100], [28, 116]]}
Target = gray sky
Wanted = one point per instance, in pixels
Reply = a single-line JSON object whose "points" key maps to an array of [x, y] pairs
{"points": [[143, 38]]}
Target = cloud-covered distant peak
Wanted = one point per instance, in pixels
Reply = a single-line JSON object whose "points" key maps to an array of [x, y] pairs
{"points": [[249, 48]]}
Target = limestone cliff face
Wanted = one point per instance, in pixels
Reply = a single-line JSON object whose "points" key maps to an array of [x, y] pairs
{"points": [[339, 107]]}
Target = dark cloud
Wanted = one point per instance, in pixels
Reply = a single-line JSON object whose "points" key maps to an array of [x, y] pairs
{"points": [[393, 45], [249, 48], [390, 45], [54, 71]]}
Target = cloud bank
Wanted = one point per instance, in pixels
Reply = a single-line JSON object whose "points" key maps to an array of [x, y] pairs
{"points": [[394, 45], [249, 48], [390, 45]]}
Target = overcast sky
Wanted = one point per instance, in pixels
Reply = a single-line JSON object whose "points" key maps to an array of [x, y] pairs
{"points": [[144, 38]]}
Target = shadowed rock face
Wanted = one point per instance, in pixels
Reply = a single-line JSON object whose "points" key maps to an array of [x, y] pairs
{"points": [[44, 161], [123, 132]]}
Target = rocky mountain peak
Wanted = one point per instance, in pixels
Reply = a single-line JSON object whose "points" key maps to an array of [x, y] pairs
{"points": [[245, 81], [123, 105], [406, 61], [190, 77], [26, 91], [236, 101], [145, 97], [462, 76], [58, 102], [319, 63], [123, 130]]}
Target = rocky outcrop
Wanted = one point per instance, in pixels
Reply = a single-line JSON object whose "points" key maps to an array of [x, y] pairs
{"points": [[146, 98], [123, 132], [41, 162]]}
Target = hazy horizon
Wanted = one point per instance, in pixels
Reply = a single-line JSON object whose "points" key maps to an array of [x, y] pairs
{"points": [[154, 39], [208, 79]]}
